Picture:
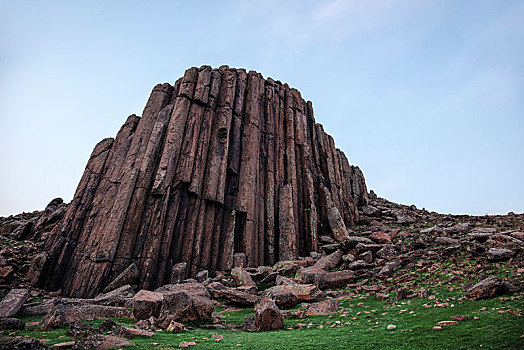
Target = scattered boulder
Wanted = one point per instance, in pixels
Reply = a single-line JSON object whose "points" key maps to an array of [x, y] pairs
{"points": [[146, 304], [121, 296], [288, 295], [218, 290], [489, 288], [196, 289], [178, 272], [326, 307], [495, 254], [128, 276], [268, 315], [330, 261], [128, 332], [242, 278], [9, 323], [99, 342], [184, 307], [335, 279], [20, 343], [13, 301]]}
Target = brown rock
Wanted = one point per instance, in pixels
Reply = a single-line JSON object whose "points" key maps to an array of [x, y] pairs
{"points": [[127, 276], [8, 323], [102, 342], [128, 332], [330, 261], [288, 295], [267, 315], [146, 304], [326, 307], [222, 163], [336, 279], [489, 288], [218, 290], [12, 302], [184, 307], [242, 278]]}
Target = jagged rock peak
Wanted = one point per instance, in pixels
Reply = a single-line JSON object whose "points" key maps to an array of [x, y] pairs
{"points": [[222, 162]]}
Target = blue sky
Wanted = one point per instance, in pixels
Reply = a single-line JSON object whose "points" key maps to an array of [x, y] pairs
{"points": [[427, 97]]}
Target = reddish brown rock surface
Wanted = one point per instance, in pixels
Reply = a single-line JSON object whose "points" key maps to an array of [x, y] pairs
{"points": [[222, 162]]}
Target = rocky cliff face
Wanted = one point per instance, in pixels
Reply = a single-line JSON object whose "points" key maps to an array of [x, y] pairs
{"points": [[222, 162]]}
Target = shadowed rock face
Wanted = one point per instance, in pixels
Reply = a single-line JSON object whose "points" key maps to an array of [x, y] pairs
{"points": [[222, 162]]}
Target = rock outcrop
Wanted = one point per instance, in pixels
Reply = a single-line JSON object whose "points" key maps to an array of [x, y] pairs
{"points": [[222, 162]]}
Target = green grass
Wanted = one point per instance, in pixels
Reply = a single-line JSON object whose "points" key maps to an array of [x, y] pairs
{"points": [[362, 325]]}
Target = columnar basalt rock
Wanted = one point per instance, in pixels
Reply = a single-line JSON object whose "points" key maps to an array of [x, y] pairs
{"points": [[222, 162]]}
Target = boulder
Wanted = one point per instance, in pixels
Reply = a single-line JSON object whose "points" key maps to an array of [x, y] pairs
{"points": [[99, 342], [335, 279], [146, 304], [9, 323], [242, 278], [326, 307], [359, 265], [62, 314], [310, 275], [128, 276], [288, 295], [128, 332], [380, 237], [218, 290], [489, 288], [495, 254], [184, 307], [119, 297], [196, 289], [178, 272], [330, 261], [13, 301], [20, 343], [267, 315]]}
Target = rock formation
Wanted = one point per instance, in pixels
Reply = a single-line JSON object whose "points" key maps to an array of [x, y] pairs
{"points": [[222, 162]]}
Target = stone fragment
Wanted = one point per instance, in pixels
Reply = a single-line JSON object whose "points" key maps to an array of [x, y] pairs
{"points": [[23, 344], [495, 254], [118, 297], [193, 288], [184, 307], [380, 237], [13, 301], [128, 332], [326, 307], [128, 276], [489, 288], [146, 304], [268, 315], [330, 261], [335, 279], [218, 290], [102, 342], [242, 278], [177, 272], [288, 295], [9, 323]]}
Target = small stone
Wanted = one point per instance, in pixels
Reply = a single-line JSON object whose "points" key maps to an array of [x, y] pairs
{"points": [[391, 326], [447, 323], [437, 328]]}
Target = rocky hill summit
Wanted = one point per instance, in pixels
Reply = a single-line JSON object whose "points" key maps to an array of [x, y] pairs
{"points": [[226, 192]]}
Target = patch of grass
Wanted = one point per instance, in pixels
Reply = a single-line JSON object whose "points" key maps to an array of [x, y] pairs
{"points": [[361, 325]]}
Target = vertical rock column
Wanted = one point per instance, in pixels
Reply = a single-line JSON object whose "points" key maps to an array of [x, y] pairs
{"points": [[221, 162]]}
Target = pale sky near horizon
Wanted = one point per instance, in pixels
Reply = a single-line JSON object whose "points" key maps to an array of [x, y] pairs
{"points": [[427, 97]]}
